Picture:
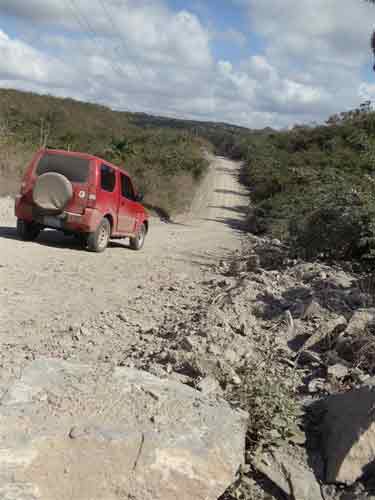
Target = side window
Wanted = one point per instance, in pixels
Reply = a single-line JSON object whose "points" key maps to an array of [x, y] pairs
{"points": [[108, 178], [126, 187]]}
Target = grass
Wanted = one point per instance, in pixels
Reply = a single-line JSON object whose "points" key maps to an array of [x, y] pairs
{"points": [[166, 162]]}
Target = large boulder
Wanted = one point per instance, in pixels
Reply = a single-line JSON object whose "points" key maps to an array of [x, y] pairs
{"points": [[325, 336], [360, 321], [95, 432], [350, 342], [290, 473], [348, 434]]}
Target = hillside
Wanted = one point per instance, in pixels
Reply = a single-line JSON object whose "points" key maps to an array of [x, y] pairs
{"points": [[312, 187], [164, 155]]}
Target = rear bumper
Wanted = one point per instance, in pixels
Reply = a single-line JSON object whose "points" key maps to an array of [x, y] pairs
{"points": [[84, 223], [87, 222]]}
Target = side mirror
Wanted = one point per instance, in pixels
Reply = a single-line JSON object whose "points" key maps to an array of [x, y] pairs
{"points": [[139, 197]]}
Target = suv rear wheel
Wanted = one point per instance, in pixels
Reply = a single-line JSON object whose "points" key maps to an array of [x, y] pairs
{"points": [[98, 241], [137, 242], [27, 231], [81, 238]]}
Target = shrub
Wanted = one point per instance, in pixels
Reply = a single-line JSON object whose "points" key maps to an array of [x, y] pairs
{"points": [[340, 228], [315, 185], [267, 393]]}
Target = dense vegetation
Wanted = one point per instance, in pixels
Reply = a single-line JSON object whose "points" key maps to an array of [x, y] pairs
{"points": [[314, 186], [165, 160], [311, 186]]}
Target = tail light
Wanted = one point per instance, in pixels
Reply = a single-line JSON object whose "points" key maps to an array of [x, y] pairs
{"points": [[92, 183], [23, 187], [91, 199]]}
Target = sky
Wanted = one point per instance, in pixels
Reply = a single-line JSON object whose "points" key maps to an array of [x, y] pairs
{"points": [[254, 63]]}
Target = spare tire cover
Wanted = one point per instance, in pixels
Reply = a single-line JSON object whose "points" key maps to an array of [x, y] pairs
{"points": [[52, 192]]}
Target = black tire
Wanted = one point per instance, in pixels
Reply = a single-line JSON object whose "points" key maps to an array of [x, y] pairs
{"points": [[27, 231], [81, 238], [138, 241], [98, 241]]}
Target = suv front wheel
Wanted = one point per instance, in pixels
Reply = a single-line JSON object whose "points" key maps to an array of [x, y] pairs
{"points": [[98, 241], [27, 231]]}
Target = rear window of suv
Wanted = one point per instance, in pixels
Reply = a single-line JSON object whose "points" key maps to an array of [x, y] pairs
{"points": [[75, 169]]}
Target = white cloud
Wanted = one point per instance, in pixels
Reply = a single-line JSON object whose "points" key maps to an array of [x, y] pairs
{"points": [[324, 30], [20, 62], [321, 45], [140, 55], [141, 28]]}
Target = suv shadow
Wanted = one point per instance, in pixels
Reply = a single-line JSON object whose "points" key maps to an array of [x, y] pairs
{"points": [[54, 239], [9, 233]]}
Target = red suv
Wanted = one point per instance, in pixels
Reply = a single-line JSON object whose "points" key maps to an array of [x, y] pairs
{"points": [[80, 194]]}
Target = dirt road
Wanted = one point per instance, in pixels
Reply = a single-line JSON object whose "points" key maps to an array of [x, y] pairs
{"points": [[50, 284]]}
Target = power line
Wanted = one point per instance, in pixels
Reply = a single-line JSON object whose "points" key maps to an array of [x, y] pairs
{"points": [[111, 21], [79, 17], [109, 15], [114, 27], [91, 32]]}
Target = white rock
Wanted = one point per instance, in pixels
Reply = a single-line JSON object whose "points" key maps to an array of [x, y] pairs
{"points": [[360, 320], [75, 431], [294, 478], [316, 385], [338, 371], [209, 385]]}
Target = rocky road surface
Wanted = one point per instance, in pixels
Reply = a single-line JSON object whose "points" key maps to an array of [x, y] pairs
{"points": [[73, 322], [51, 284], [122, 374]]}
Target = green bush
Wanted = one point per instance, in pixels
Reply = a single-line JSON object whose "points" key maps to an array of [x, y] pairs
{"points": [[267, 392], [315, 186], [328, 232]]}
